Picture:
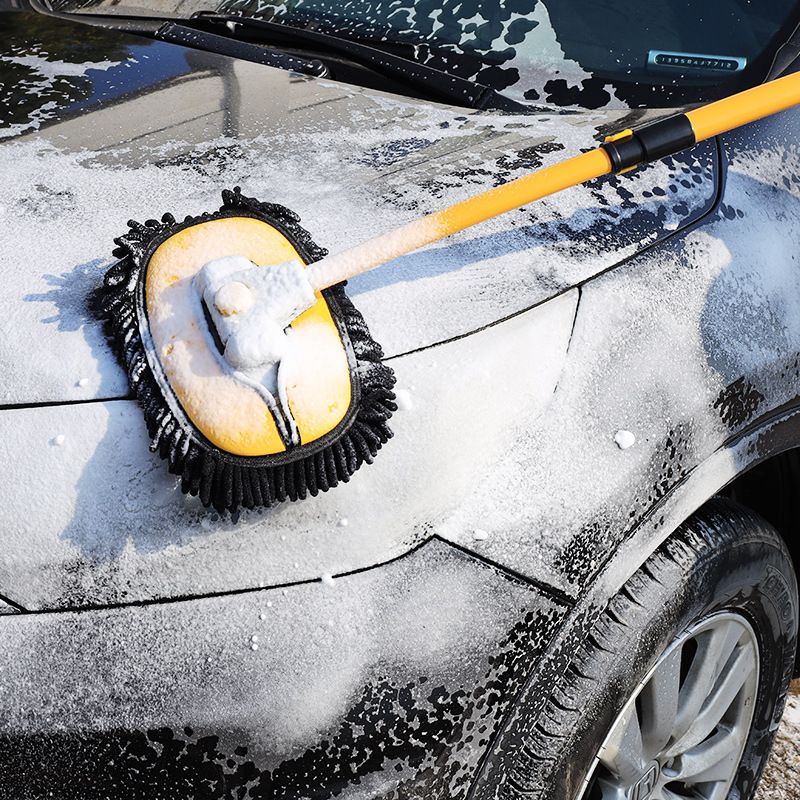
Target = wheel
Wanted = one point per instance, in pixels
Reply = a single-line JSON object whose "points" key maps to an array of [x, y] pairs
{"points": [[683, 732], [676, 692]]}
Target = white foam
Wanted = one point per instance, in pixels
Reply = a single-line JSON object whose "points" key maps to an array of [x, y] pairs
{"points": [[624, 439], [52, 69]]}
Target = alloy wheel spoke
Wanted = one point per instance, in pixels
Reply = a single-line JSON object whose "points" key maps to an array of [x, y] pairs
{"points": [[713, 760], [623, 751], [659, 704], [611, 790], [662, 793], [714, 648], [719, 700]]}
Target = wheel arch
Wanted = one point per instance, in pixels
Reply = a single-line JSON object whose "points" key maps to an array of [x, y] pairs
{"points": [[772, 489], [758, 468]]}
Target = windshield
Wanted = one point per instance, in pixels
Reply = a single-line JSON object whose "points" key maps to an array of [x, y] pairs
{"points": [[586, 53]]}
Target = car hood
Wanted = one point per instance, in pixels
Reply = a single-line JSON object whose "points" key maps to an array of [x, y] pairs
{"points": [[115, 127], [109, 127]]}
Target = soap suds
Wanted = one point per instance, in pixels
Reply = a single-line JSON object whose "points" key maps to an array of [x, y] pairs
{"points": [[404, 399], [58, 69], [49, 72], [624, 439]]}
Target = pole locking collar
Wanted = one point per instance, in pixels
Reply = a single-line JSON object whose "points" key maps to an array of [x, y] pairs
{"points": [[630, 148]]}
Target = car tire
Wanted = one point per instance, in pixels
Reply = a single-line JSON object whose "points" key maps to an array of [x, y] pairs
{"points": [[724, 565]]}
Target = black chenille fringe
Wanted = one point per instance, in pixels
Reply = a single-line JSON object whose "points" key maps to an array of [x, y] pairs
{"points": [[220, 479]]}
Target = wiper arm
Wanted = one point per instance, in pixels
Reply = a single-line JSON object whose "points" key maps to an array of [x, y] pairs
{"points": [[176, 32], [188, 35], [428, 81]]}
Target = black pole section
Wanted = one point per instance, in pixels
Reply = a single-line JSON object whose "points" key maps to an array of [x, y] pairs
{"points": [[661, 139]]}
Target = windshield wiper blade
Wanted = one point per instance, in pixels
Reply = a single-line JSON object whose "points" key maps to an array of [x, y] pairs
{"points": [[429, 81], [174, 31], [190, 36]]}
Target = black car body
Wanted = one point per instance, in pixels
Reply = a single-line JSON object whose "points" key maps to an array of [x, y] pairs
{"points": [[397, 637]]}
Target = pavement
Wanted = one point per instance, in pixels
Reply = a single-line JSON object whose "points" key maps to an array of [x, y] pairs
{"points": [[781, 779]]}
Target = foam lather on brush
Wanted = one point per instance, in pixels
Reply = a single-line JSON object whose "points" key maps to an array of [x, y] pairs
{"points": [[252, 396]]}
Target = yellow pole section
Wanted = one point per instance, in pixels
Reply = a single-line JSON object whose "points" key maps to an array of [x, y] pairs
{"points": [[748, 106], [432, 227], [707, 122], [522, 191]]}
